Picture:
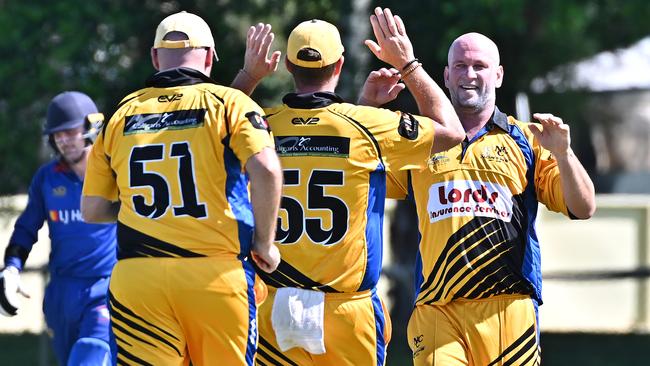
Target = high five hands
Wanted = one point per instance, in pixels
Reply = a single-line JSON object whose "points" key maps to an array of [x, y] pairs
{"points": [[257, 63], [392, 44]]}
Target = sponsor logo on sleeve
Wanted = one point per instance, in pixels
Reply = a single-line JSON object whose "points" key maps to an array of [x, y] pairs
{"points": [[334, 146], [155, 122], [408, 126], [469, 198], [257, 120]]}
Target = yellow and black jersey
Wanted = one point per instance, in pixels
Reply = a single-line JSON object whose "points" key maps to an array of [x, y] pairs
{"points": [[338, 162], [173, 153], [477, 205]]}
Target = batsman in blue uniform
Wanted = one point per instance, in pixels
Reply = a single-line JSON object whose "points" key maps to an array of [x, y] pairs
{"points": [[82, 255]]}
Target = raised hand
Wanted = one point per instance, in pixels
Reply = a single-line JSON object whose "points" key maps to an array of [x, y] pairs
{"points": [[257, 63], [392, 44], [381, 87], [553, 135]]}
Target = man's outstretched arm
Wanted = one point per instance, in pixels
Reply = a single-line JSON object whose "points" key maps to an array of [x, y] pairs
{"points": [[394, 47], [577, 187]]}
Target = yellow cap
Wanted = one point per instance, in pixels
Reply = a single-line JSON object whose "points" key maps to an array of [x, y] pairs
{"points": [[197, 31], [314, 44]]}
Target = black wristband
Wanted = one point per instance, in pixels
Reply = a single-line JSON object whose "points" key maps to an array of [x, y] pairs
{"points": [[409, 63], [14, 250]]}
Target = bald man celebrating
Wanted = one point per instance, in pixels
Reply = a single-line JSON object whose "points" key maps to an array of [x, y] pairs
{"points": [[478, 279]]}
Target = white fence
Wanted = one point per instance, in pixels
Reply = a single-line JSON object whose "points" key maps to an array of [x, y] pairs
{"points": [[596, 271]]}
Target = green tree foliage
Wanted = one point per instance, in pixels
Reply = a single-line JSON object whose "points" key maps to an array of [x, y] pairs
{"points": [[102, 48], [533, 36]]}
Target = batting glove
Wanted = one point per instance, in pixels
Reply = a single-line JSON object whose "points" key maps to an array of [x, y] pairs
{"points": [[10, 289]]}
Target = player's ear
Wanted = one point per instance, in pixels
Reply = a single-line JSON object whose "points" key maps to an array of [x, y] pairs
{"points": [[339, 66], [445, 75], [209, 58], [499, 80], [154, 58]]}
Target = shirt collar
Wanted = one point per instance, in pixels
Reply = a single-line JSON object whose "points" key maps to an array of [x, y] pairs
{"points": [[60, 166], [498, 119], [180, 76], [311, 100]]}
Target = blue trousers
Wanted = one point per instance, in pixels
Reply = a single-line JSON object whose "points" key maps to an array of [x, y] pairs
{"points": [[76, 312]]}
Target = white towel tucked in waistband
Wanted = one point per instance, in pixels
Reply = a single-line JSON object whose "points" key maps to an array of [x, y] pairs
{"points": [[297, 319]]}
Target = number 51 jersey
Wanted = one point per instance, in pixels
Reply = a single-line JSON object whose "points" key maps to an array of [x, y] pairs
{"points": [[175, 153], [338, 160]]}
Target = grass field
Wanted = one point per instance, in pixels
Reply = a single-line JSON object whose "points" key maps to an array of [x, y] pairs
{"points": [[558, 349]]}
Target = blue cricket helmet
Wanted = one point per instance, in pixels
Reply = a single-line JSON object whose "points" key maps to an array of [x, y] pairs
{"points": [[72, 109]]}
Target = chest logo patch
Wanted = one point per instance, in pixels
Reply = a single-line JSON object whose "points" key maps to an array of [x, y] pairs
{"points": [[495, 153], [438, 160], [59, 191], [65, 216], [469, 198]]}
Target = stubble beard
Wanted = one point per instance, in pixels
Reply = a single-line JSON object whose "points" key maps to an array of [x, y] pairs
{"points": [[472, 105], [76, 159]]}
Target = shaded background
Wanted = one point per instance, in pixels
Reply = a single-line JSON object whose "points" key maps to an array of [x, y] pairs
{"points": [[102, 48]]}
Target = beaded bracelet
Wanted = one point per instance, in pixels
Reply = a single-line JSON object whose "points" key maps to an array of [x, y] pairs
{"points": [[410, 70]]}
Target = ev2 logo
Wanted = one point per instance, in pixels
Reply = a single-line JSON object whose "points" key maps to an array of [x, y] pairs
{"points": [[302, 121], [169, 98]]}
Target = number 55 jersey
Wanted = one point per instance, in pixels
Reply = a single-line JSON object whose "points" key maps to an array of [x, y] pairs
{"points": [[174, 153], [338, 161]]}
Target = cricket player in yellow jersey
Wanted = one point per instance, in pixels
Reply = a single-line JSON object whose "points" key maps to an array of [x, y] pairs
{"points": [[478, 279], [339, 160], [172, 167]]}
